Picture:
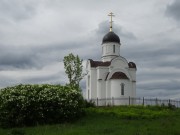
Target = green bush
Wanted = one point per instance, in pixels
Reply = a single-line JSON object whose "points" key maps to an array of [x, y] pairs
{"points": [[89, 103], [26, 105], [17, 132]]}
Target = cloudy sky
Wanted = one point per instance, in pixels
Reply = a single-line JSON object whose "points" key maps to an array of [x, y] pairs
{"points": [[35, 35]]}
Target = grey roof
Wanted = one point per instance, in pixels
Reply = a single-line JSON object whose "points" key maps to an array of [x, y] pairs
{"points": [[108, 63], [132, 65], [99, 63], [111, 37]]}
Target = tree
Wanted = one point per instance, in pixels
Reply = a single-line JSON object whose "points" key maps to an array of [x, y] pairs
{"points": [[73, 69]]}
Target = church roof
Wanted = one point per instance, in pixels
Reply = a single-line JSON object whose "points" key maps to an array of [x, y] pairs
{"points": [[111, 37], [99, 63], [119, 75], [108, 63]]}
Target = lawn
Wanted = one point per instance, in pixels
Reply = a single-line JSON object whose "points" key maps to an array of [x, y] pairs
{"points": [[121, 120]]}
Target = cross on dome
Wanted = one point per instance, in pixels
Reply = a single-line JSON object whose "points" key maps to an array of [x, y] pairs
{"points": [[111, 15]]}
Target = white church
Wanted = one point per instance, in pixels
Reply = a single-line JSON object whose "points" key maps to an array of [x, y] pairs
{"points": [[113, 77]]}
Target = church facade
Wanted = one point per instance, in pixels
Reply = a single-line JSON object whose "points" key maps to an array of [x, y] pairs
{"points": [[113, 77]]}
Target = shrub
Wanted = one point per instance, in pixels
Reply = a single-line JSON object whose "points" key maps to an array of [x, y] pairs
{"points": [[26, 105], [17, 132], [171, 106], [89, 103]]}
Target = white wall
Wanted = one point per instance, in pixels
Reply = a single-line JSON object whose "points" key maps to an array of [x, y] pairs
{"points": [[93, 83], [108, 51], [116, 91], [132, 72], [116, 88]]}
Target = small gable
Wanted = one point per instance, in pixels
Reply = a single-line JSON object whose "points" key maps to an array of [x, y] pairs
{"points": [[119, 62], [132, 65]]}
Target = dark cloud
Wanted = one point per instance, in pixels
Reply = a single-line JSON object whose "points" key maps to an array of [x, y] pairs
{"points": [[159, 66], [103, 28], [158, 93], [28, 57], [12, 57], [46, 78], [153, 54], [173, 10], [167, 84]]}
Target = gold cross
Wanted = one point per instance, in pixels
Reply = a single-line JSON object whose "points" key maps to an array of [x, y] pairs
{"points": [[111, 15]]}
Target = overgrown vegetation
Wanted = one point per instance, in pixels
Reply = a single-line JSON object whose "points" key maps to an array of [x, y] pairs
{"points": [[119, 120], [133, 112], [26, 105]]}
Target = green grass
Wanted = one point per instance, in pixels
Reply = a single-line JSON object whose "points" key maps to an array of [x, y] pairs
{"points": [[122, 120]]}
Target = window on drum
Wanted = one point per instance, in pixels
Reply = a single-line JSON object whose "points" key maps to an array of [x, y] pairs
{"points": [[122, 88]]}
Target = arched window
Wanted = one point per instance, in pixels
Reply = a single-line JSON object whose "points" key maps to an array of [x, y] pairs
{"points": [[122, 88], [114, 48]]}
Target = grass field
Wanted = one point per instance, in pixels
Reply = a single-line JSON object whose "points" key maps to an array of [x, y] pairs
{"points": [[122, 120]]}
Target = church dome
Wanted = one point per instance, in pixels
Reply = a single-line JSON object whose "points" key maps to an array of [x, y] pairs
{"points": [[111, 37]]}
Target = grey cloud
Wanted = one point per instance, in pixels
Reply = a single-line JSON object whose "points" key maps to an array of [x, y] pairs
{"points": [[103, 28], [7, 81], [147, 75], [16, 9], [160, 93], [28, 57], [153, 55], [53, 78], [18, 57], [169, 84], [10, 57], [173, 10]]}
